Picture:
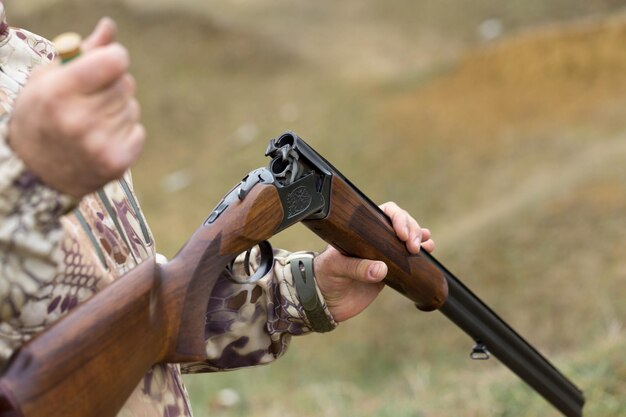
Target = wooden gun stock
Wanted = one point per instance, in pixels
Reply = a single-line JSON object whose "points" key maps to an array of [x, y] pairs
{"points": [[353, 225], [89, 362]]}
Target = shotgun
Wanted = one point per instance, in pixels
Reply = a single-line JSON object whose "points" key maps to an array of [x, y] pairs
{"points": [[156, 313]]}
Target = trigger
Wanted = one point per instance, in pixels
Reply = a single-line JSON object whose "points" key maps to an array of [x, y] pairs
{"points": [[265, 265]]}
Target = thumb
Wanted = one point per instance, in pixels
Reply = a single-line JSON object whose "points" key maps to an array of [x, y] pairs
{"points": [[365, 270], [376, 271], [104, 34], [97, 70]]}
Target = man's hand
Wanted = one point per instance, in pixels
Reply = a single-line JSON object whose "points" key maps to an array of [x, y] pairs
{"points": [[349, 285], [76, 126]]}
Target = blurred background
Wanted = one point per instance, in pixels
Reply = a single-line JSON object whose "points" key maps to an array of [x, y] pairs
{"points": [[499, 125]]}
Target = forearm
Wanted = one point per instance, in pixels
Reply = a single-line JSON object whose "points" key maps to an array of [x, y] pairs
{"points": [[252, 324], [30, 236]]}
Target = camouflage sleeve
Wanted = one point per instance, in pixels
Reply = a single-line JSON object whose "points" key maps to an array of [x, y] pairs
{"points": [[30, 234], [30, 229], [252, 324]]}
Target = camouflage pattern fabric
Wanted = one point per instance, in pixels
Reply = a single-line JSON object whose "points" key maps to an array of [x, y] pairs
{"points": [[56, 252]]}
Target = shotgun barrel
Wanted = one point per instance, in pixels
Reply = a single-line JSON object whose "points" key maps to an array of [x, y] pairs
{"points": [[479, 321]]}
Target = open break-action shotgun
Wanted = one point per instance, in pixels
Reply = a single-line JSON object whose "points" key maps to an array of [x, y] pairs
{"points": [[89, 362]]}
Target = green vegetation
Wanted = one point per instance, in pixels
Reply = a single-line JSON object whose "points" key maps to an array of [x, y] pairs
{"points": [[511, 151]]}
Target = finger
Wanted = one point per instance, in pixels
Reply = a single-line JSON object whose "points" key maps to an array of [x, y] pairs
{"points": [[136, 141], [133, 110], [424, 241], [104, 34], [414, 245], [429, 245], [415, 239], [125, 120], [97, 70], [376, 271], [126, 85], [116, 97], [120, 125], [399, 219], [363, 270], [125, 149]]}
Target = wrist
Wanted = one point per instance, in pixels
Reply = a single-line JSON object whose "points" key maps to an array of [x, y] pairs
{"points": [[316, 312]]}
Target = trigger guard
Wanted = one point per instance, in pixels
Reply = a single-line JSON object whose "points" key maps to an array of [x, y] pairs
{"points": [[266, 264]]}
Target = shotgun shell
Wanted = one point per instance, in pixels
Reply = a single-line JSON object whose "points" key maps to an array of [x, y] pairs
{"points": [[68, 46]]}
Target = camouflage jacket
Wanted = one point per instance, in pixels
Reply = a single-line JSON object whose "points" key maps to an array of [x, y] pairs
{"points": [[56, 252]]}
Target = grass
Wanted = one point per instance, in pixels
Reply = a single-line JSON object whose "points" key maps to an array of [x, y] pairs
{"points": [[511, 151]]}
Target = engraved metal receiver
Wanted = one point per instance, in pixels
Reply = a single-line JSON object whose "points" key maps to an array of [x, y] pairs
{"points": [[303, 188]]}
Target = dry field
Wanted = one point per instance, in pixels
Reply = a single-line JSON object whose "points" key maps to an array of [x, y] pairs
{"points": [[511, 150]]}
